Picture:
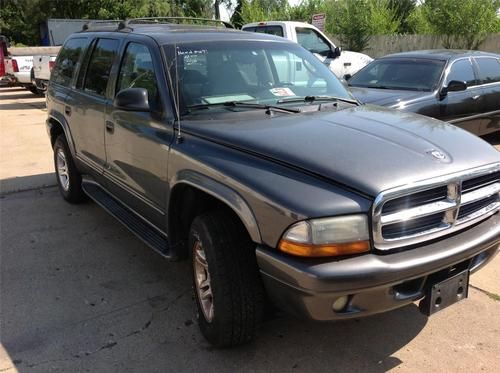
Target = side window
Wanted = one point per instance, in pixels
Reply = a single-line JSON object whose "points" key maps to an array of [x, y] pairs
{"points": [[489, 70], [67, 61], [462, 70], [103, 56], [249, 29], [137, 71], [312, 41]]}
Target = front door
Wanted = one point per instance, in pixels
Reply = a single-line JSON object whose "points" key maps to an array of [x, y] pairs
{"points": [[137, 143], [463, 108]]}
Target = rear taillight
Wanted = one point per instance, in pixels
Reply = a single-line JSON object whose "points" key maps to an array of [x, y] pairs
{"points": [[2, 66], [15, 68], [51, 65]]}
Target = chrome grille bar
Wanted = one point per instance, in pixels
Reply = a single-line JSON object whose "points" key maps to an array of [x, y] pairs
{"points": [[478, 204]]}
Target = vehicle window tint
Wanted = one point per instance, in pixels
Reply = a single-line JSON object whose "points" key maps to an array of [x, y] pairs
{"points": [[67, 61], [489, 70], [249, 29], [312, 41], [103, 55], [274, 30], [137, 71], [462, 70], [409, 74]]}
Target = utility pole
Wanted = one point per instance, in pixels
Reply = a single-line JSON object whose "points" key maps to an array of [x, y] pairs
{"points": [[217, 11]]}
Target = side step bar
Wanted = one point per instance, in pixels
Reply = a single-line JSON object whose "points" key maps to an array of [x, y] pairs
{"points": [[146, 232]]}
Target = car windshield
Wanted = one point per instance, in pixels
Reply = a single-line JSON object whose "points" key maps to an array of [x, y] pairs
{"points": [[400, 73], [210, 74]]}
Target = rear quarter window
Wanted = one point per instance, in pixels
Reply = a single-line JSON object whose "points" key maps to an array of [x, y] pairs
{"points": [[68, 61]]}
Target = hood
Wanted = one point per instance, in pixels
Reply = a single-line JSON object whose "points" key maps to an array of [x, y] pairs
{"points": [[367, 148], [386, 97]]}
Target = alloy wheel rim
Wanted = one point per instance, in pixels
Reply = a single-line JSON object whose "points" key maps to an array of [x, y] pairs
{"points": [[202, 281], [62, 169]]}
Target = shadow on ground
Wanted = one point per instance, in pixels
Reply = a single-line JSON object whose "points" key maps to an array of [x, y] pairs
{"points": [[80, 293]]}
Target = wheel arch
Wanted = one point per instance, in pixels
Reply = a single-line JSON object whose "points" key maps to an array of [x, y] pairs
{"points": [[194, 193], [56, 125]]}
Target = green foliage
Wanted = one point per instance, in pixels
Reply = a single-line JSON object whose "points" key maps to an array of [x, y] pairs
{"points": [[464, 23], [20, 19], [403, 9]]}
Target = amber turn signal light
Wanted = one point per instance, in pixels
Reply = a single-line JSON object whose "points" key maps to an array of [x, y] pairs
{"points": [[316, 251]]}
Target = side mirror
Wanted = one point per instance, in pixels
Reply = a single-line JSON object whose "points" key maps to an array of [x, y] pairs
{"points": [[453, 86], [132, 99], [347, 77], [334, 53]]}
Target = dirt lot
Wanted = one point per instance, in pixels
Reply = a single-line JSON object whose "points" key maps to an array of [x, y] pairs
{"points": [[79, 293]]}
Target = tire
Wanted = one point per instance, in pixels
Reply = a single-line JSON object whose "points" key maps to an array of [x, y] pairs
{"points": [[68, 178], [33, 89], [234, 280]]}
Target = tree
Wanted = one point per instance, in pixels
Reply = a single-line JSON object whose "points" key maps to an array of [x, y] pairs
{"points": [[403, 9], [463, 23]]}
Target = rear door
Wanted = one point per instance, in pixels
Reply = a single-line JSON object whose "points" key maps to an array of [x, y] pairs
{"points": [[85, 106], [462, 108], [63, 77], [489, 78], [138, 143]]}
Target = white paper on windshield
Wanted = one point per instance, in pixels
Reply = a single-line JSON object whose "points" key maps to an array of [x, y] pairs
{"points": [[282, 92], [219, 99]]}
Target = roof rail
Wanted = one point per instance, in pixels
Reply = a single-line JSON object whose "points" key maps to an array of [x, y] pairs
{"points": [[102, 25], [176, 20]]}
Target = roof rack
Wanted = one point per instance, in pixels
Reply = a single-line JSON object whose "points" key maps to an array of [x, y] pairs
{"points": [[101, 25], [176, 20]]}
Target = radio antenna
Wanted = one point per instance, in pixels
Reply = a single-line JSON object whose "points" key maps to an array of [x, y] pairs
{"points": [[177, 96]]}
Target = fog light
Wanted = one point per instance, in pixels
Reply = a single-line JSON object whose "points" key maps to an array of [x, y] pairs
{"points": [[340, 303]]}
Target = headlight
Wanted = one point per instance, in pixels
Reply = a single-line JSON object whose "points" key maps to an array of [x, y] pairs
{"points": [[342, 235]]}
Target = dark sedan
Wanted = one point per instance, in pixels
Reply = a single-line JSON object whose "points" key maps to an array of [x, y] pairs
{"points": [[460, 87]]}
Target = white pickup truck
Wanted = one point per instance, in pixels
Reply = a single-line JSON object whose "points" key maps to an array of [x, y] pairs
{"points": [[18, 69], [42, 67], [341, 63]]}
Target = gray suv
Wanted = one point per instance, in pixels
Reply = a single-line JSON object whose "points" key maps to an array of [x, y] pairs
{"points": [[242, 153]]}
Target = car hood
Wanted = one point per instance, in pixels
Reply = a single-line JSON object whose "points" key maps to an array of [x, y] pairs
{"points": [[386, 97], [366, 148]]}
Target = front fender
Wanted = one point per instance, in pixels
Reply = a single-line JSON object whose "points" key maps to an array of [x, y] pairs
{"points": [[225, 194]]}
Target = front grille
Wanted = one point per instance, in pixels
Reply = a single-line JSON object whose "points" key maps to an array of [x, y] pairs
{"points": [[432, 208]]}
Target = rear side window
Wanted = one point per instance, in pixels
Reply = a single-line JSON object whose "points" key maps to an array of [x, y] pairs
{"points": [[137, 72], [99, 68], [67, 61], [462, 70], [489, 70]]}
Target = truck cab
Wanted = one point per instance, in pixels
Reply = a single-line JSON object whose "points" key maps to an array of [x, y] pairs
{"points": [[341, 63]]}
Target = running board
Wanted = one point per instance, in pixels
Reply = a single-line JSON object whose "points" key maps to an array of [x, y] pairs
{"points": [[146, 232]]}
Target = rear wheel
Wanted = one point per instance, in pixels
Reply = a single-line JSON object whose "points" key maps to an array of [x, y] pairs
{"points": [[227, 285], [69, 179]]}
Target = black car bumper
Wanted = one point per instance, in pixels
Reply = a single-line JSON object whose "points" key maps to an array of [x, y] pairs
{"points": [[373, 283]]}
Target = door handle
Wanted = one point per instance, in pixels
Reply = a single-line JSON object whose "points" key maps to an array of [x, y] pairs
{"points": [[110, 126], [476, 97], [67, 110]]}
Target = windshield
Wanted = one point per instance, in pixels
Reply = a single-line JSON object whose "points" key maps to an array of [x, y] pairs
{"points": [[403, 74], [211, 73]]}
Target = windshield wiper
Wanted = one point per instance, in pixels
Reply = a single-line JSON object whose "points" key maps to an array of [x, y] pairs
{"points": [[317, 98], [250, 105]]}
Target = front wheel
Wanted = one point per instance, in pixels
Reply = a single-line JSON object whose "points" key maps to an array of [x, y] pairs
{"points": [[228, 289]]}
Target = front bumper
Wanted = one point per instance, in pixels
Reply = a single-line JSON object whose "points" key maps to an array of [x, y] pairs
{"points": [[373, 283]]}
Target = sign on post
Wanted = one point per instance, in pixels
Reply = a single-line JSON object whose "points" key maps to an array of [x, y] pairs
{"points": [[318, 21]]}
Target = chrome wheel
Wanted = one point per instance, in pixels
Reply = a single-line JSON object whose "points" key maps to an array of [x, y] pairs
{"points": [[62, 169], [202, 281]]}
